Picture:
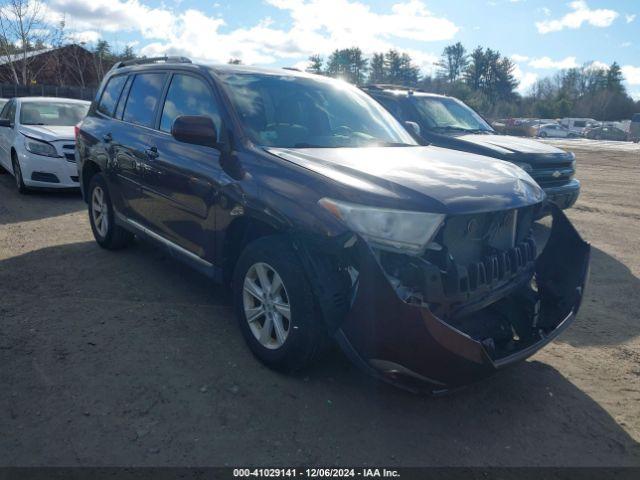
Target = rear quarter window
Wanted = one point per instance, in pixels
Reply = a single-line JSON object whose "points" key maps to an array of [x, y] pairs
{"points": [[111, 94]]}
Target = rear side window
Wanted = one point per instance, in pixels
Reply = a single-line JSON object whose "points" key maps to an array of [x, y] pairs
{"points": [[123, 98], [143, 98], [636, 118], [188, 95], [110, 95], [392, 106]]}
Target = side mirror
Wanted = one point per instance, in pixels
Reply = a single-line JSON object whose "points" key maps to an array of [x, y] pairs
{"points": [[413, 127], [5, 122], [195, 129]]}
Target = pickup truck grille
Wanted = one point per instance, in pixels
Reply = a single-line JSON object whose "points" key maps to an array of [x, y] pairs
{"points": [[553, 174]]}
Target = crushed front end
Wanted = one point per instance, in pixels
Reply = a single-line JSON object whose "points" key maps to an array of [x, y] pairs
{"points": [[487, 292]]}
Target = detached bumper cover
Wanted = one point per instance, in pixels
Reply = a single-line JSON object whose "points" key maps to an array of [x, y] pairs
{"points": [[407, 345]]}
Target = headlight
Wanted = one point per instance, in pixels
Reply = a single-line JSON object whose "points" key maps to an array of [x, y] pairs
{"points": [[39, 147], [399, 230], [524, 166]]}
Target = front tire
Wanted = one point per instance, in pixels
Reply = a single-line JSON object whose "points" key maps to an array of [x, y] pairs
{"points": [[102, 218], [17, 174], [275, 305]]}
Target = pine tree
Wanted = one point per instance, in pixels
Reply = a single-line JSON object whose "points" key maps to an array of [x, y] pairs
{"points": [[315, 64]]}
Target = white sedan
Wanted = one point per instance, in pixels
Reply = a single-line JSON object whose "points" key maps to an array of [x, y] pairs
{"points": [[553, 130], [37, 141]]}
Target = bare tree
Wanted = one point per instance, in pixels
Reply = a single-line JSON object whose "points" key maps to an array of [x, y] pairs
{"points": [[22, 29]]}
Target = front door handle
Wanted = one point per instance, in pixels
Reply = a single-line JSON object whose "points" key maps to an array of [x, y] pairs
{"points": [[107, 138], [152, 152]]}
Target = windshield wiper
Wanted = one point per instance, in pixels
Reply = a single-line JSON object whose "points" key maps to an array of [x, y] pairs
{"points": [[450, 128], [307, 145], [393, 144]]}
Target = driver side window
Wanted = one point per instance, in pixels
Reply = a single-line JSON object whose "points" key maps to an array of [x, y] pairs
{"points": [[188, 95]]}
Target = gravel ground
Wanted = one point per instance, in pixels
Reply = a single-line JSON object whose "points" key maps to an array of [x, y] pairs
{"points": [[129, 358]]}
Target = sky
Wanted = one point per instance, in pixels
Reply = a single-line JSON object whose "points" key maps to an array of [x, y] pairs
{"points": [[540, 36]]}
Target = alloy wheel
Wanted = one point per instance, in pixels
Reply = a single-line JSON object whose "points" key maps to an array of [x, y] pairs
{"points": [[99, 211], [266, 305]]}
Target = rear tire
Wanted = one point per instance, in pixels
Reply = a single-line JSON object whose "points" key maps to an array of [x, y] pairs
{"points": [[287, 344], [102, 217], [17, 174]]}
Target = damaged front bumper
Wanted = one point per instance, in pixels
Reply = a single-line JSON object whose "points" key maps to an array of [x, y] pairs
{"points": [[408, 345]]}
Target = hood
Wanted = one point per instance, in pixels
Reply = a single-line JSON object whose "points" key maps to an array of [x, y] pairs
{"points": [[49, 133], [510, 148], [439, 180], [511, 144]]}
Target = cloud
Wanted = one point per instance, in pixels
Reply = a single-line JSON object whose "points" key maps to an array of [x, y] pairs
{"points": [[631, 74], [519, 58], [630, 17], [317, 26], [112, 16], [546, 63], [597, 65], [581, 14], [525, 79], [85, 36]]}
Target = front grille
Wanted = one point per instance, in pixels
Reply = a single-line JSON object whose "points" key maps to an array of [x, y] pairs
{"points": [[495, 268], [554, 173], [477, 257]]}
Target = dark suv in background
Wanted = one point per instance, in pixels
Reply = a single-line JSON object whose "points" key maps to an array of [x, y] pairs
{"points": [[447, 122], [328, 219]]}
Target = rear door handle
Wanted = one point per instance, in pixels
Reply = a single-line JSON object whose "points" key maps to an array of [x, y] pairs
{"points": [[152, 152]]}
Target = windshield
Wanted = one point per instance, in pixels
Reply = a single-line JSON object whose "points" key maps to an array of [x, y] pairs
{"points": [[440, 113], [59, 114], [298, 112]]}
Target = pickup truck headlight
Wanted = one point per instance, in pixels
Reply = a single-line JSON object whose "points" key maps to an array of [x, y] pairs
{"points": [[39, 147], [396, 230]]}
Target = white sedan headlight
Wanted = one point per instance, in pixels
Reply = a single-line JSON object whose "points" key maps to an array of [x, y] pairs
{"points": [[398, 230], [39, 147]]}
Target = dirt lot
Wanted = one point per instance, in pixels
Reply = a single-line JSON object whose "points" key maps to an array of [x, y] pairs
{"points": [[130, 358]]}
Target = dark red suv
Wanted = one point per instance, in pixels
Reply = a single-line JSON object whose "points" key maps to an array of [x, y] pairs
{"points": [[328, 220]]}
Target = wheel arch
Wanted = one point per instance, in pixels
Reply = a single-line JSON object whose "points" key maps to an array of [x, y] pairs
{"points": [[240, 233], [89, 169]]}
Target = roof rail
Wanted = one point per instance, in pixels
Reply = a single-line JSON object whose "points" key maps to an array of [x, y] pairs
{"points": [[388, 86], [145, 60]]}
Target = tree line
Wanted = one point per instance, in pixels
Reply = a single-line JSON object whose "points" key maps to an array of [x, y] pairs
{"points": [[485, 79], [482, 78]]}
